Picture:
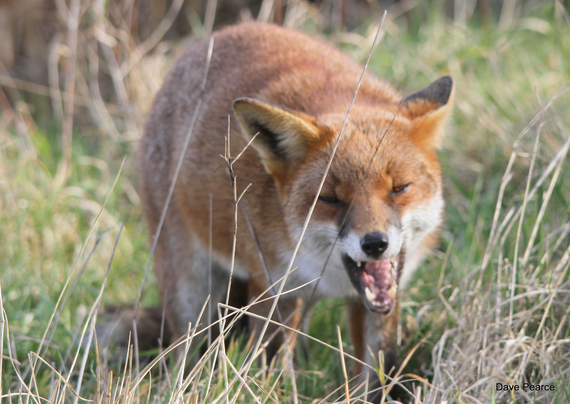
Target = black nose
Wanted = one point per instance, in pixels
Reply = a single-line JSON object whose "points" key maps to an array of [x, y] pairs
{"points": [[374, 244]]}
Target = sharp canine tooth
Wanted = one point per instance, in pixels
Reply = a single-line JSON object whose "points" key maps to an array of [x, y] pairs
{"points": [[358, 263], [392, 291], [369, 295]]}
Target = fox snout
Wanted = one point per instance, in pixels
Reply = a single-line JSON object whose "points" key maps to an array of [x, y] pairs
{"points": [[374, 244], [372, 262]]}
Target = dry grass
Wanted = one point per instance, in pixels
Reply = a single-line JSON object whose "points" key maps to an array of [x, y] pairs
{"points": [[491, 306]]}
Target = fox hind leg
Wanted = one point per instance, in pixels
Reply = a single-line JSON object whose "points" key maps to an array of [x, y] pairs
{"points": [[184, 276]]}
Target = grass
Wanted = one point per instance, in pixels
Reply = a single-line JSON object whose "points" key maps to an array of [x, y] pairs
{"points": [[490, 306]]}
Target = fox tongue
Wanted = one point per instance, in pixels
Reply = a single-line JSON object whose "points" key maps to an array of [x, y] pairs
{"points": [[379, 278], [381, 271]]}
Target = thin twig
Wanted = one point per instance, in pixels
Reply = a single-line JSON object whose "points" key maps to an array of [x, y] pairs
{"points": [[519, 230], [2, 328], [92, 319], [343, 365], [211, 7], [175, 176], [256, 350], [359, 186], [66, 136], [545, 201], [153, 40]]}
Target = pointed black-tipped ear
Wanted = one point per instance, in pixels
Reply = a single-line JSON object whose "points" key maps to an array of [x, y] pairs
{"points": [[437, 93], [428, 110], [282, 136]]}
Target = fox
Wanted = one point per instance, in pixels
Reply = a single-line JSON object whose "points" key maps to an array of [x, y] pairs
{"points": [[280, 99]]}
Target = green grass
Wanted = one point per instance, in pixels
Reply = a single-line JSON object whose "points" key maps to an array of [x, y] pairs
{"points": [[458, 308]]}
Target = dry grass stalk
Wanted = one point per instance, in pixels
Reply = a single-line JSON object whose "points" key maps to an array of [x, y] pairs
{"points": [[66, 135]]}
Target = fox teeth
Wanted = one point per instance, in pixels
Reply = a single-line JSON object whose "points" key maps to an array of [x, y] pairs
{"points": [[358, 264], [369, 295], [392, 291]]}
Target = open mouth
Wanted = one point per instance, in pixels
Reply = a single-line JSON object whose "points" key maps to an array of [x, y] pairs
{"points": [[376, 281]]}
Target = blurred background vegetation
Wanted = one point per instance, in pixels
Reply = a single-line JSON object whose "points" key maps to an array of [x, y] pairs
{"points": [[76, 80]]}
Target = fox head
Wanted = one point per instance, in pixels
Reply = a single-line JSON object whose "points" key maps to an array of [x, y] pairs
{"points": [[382, 196]]}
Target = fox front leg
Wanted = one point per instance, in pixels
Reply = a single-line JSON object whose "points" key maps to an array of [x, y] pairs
{"points": [[372, 333]]}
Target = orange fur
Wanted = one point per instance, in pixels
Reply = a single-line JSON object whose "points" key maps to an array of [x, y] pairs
{"points": [[292, 92]]}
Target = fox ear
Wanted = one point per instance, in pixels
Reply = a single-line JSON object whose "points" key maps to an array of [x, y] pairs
{"points": [[281, 136], [428, 110]]}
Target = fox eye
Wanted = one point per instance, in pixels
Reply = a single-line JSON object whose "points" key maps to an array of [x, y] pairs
{"points": [[330, 200], [398, 189]]}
